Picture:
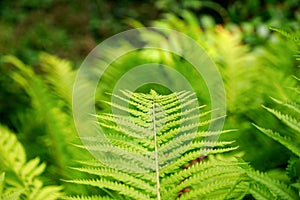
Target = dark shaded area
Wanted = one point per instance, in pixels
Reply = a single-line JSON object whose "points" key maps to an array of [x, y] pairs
{"points": [[71, 29]]}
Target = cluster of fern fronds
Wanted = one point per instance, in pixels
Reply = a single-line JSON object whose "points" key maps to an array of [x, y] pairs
{"points": [[44, 127], [156, 151], [290, 138], [158, 144]]}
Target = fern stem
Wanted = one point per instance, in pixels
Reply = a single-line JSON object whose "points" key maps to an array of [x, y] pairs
{"points": [[156, 153]]}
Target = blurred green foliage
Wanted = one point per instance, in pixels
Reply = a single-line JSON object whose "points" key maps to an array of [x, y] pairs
{"points": [[71, 29], [255, 61]]}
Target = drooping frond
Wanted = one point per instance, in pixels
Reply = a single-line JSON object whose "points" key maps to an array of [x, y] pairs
{"points": [[291, 118], [288, 142], [290, 105], [287, 119]]}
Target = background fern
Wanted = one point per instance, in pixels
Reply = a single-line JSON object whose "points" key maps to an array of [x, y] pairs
{"points": [[290, 138], [12, 194], [46, 120], [22, 181], [241, 66]]}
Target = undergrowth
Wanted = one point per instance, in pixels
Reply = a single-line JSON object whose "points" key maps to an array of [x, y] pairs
{"points": [[157, 151]]}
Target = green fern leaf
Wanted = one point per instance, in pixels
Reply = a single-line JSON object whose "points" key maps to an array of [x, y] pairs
{"points": [[200, 167], [11, 196], [50, 95], [291, 122], [25, 181], [261, 192], [48, 193], [144, 182], [279, 189], [12, 152], [292, 105], [8, 195], [59, 75], [284, 140], [293, 168], [287, 34], [206, 181], [113, 185], [86, 198], [149, 151]]}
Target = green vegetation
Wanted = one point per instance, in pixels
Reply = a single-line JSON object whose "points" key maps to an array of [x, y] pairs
{"points": [[255, 46]]}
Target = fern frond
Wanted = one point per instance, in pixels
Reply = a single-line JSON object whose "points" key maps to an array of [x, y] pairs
{"points": [[11, 196], [172, 152], [46, 107], [290, 121], [143, 182], [198, 175], [284, 140], [116, 186], [261, 192], [287, 34], [124, 142], [125, 125], [149, 146], [292, 168], [189, 128], [26, 172], [213, 188], [292, 105], [59, 75], [46, 192], [281, 190], [8, 195], [90, 163], [177, 164], [187, 138], [263, 186], [126, 154], [12, 152], [94, 197]]}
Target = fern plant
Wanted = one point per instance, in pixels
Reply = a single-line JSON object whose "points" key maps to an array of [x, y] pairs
{"points": [[5, 194], [241, 67], [22, 181], [158, 151], [288, 114], [291, 138], [46, 119]]}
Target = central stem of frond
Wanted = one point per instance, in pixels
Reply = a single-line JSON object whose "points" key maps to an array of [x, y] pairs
{"points": [[156, 152]]}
